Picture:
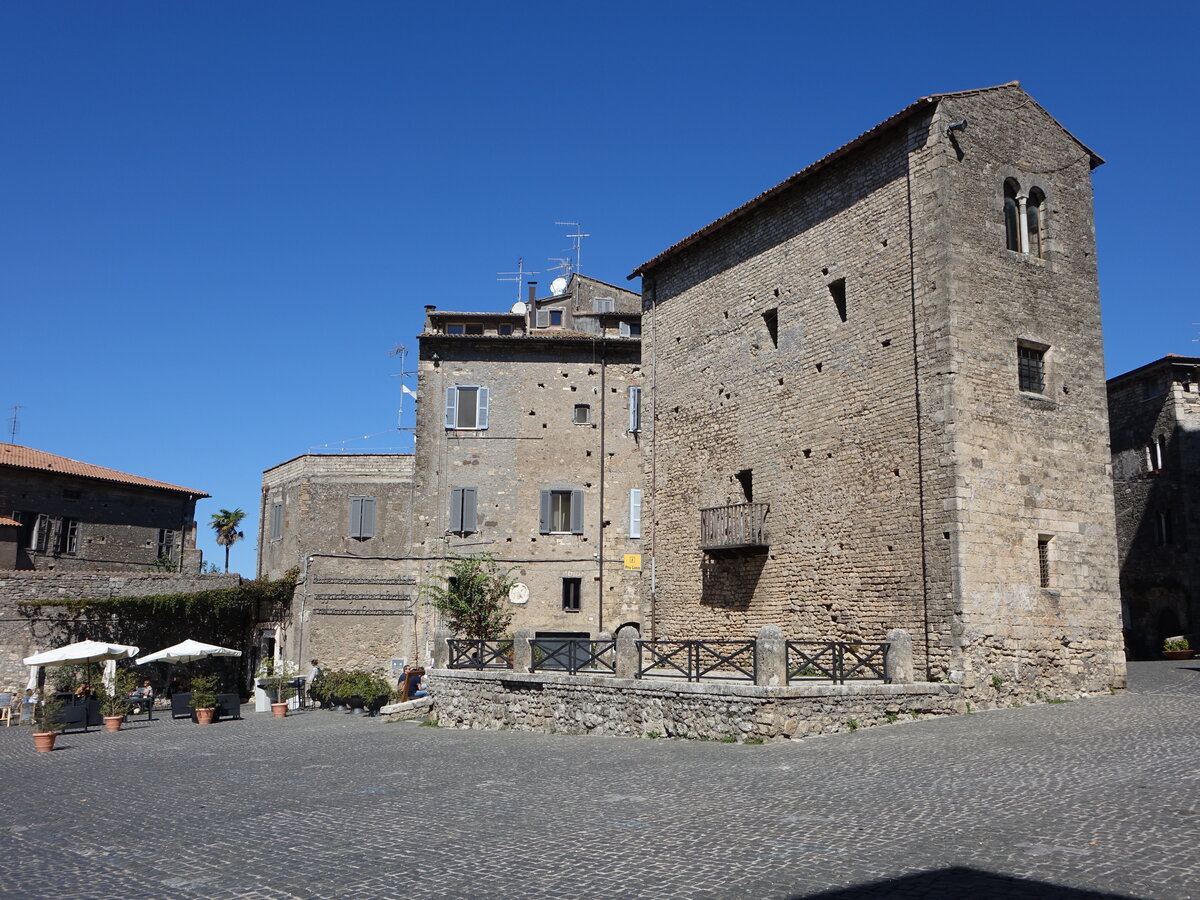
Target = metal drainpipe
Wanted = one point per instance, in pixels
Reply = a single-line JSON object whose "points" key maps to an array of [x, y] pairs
{"points": [[603, 409]]}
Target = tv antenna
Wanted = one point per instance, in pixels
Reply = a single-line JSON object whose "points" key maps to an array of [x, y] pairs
{"points": [[565, 263], [402, 352], [12, 424], [517, 276]]}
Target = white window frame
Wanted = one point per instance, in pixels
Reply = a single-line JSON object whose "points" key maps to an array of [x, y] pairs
{"points": [[454, 407], [635, 513], [635, 410]]}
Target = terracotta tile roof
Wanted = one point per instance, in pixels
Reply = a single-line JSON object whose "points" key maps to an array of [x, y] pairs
{"points": [[19, 457], [865, 137], [4, 520]]}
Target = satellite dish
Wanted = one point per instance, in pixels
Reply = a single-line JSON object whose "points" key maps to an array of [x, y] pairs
{"points": [[558, 285], [518, 309]]}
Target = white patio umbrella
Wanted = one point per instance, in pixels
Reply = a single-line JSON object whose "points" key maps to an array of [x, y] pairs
{"points": [[81, 652], [187, 651]]}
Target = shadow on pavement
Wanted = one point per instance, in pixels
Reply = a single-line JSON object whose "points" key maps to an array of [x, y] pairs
{"points": [[961, 882]]}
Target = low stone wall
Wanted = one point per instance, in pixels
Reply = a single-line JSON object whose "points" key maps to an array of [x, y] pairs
{"points": [[588, 704]]}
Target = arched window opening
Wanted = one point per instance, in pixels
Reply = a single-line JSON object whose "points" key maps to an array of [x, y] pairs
{"points": [[1012, 227], [1035, 217]]}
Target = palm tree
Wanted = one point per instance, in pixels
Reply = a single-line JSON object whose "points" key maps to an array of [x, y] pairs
{"points": [[225, 524]]}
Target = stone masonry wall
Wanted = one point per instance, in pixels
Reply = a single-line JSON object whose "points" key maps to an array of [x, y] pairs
{"points": [[22, 635], [356, 604], [1026, 465], [909, 480], [823, 415], [578, 704], [530, 445], [118, 524], [1158, 507]]}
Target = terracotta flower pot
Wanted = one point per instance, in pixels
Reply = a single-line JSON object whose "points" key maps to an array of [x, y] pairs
{"points": [[204, 715], [43, 741], [113, 723], [279, 709]]}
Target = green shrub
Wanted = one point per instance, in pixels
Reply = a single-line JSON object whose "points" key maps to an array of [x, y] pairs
{"points": [[1177, 643], [204, 692]]}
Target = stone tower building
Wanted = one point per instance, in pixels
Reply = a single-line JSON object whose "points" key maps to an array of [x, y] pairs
{"points": [[1155, 422], [528, 447], [877, 401]]}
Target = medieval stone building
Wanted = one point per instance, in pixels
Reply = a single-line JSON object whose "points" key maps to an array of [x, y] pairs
{"points": [[60, 514], [343, 522], [877, 401], [1154, 414], [528, 447]]}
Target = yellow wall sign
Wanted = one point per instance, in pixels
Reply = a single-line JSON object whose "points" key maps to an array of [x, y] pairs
{"points": [[633, 562]]}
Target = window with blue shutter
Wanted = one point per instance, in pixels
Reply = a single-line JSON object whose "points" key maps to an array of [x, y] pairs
{"points": [[635, 513], [635, 408], [362, 518]]}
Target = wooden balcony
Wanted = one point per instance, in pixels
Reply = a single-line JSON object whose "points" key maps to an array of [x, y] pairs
{"points": [[739, 528]]}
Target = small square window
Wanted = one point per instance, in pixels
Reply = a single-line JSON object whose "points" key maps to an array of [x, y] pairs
{"points": [[475, 328], [555, 318], [504, 329], [602, 305], [1031, 369], [571, 590], [583, 414], [456, 328]]}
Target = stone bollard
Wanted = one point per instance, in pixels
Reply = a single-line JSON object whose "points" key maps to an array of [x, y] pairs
{"points": [[441, 647], [899, 666], [627, 654], [770, 657], [522, 652]]}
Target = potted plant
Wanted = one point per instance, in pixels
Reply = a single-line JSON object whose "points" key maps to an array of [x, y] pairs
{"points": [[204, 698], [114, 702], [47, 723], [1177, 648], [278, 676]]}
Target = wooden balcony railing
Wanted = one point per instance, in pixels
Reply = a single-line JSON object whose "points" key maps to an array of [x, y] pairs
{"points": [[742, 526]]}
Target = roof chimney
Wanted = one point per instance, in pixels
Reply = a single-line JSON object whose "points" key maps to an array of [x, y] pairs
{"points": [[532, 293]]}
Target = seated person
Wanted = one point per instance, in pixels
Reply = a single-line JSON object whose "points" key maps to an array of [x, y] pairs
{"points": [[145, 692], [83, 691], [415, 686]]}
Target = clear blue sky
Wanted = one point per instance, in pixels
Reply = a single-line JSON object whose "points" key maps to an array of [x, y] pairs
{"points": [[216, 220]]}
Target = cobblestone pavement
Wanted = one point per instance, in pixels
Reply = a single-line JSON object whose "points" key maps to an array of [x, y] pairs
{"points": [[1091, 798]]}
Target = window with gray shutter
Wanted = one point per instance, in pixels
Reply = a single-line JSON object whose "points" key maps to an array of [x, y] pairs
{"points": [[623, 329], [602, 305], [467, 407], [561, 512], [635, 512], [277, 520], [362, 518], [635, 408], [463, 510], [543, 318]]}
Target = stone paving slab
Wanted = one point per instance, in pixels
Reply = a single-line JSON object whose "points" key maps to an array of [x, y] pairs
{"points": [[1093, 798]]}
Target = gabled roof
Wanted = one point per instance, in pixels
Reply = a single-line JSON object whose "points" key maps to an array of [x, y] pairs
{"points": [[864, 138], [17, 457]]}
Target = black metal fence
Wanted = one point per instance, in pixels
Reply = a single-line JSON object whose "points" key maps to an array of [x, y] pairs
{"points": [[573, 655], [469, 653], [836, 661], [694, 660]]}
